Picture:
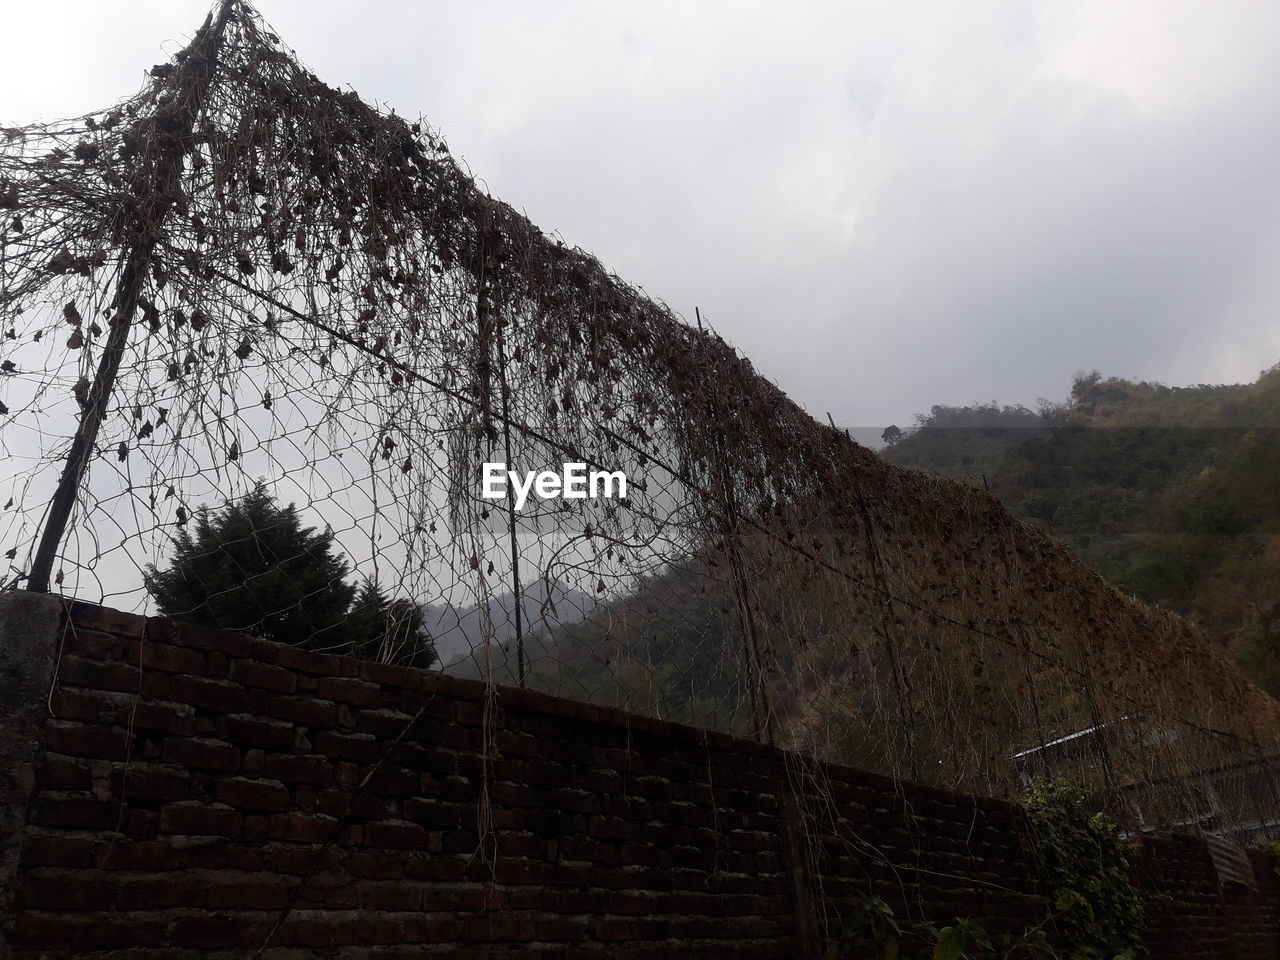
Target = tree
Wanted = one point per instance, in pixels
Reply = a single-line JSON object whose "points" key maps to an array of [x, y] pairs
{"points": [[1083, 383], [390, 631], [892, 434], [1054, 415], [252, 566]]}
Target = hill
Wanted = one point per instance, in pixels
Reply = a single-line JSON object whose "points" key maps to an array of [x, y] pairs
{"points": [[458, 630], [1170, 493]]}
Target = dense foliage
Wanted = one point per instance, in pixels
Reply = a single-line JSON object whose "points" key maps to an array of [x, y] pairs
{"points": [[389, 631], [1099, 907], [253, 566], [1171, 493], [1096, 912]]}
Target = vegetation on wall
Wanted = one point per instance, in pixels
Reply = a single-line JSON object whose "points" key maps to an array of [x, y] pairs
{"points": [[1096, 909], [872, 932]]}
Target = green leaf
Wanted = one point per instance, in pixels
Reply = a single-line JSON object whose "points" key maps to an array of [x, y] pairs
{"points": [[1068, 900], [951, 944]]}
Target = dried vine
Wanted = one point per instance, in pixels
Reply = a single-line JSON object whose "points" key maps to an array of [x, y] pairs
{"points": [[293, 285]]}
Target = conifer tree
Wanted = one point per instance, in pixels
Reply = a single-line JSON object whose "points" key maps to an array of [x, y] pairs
{"points": [[389, 631], [253, 566]]}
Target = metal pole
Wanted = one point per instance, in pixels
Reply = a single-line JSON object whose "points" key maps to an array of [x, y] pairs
{"points": [[517, 594], [191, 80]]}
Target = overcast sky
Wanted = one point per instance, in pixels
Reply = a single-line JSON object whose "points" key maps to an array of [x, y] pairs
{"points": [[885, 205]]}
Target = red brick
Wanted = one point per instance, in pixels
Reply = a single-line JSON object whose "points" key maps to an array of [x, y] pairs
{"points": [[202, 754], [393, 781], [247, 794], [611, 929], [199, 820], [562, 928], [136, 855], [141, 823], [341, 746], [209, 694], [63, 773], [459, 841], [264, 675], [441, 734], [460, 789], [396, 836], [91, 936], [265, 651], [68, 703], [87, 740], [216, 664], [519, 871], [158, 893], [439, 869], [209, 638], [348, 775], [291, 859], [69, 890], [251, 731], [155, 684], [468, 713], [167, 659], [43, 851], [487, 928], [107, 620], [436, 929], [247, 893], [254, 761], [630, 904], [355, 692], [386, 724], [432, 760], [96, 675], [165, 717], [526, 898], [375, 866], [305, 710], [432, 813], [317, 771], [40, 934], [387, 674], [302, 829], [141, 781], [328, 897], [307, 661], [299, 932], [481, 898], [391, 897], [76, 814], [217, 931]]}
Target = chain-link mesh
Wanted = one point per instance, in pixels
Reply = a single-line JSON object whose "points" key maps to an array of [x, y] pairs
{"points": [[260, 339]]}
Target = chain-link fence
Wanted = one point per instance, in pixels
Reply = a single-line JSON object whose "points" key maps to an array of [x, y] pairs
{"points": [[260, 341]]}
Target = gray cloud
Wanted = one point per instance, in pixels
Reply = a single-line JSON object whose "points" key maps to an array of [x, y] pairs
{"points": [[884, 205]]}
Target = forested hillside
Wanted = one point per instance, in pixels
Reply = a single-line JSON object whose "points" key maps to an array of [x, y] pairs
{"points": [[1171, 493]]}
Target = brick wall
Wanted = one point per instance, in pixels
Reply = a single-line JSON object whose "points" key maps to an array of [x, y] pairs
{"points": [[934, 855], [1192, 916], [192, 793]]}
